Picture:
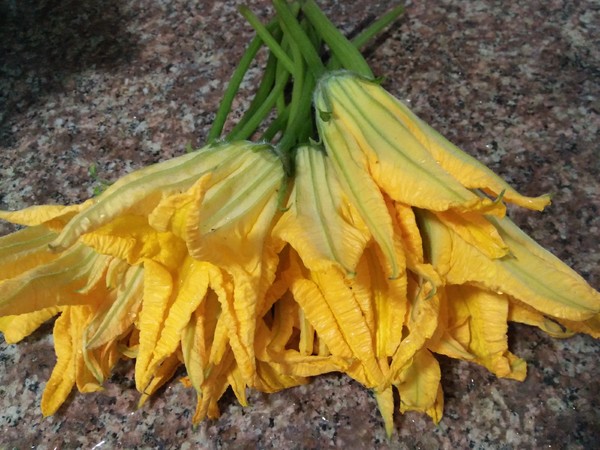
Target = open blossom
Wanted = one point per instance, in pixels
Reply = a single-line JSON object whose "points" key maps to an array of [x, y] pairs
{"points": [[446, 210], [388, 245], [129, 270], [372, 315]]}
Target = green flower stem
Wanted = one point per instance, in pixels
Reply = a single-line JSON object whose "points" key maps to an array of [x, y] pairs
{"points": [[298, 83], [248, 128], [232, 89], [276, 125], [297, 128], [341, 48], [376, 27], [281, 101], [268, 38], [263, 91], [291, 27]]}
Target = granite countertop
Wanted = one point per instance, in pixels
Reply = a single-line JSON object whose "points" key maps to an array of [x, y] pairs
{"points": [[122, 84]]}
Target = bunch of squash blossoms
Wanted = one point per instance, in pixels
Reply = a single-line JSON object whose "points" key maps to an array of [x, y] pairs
{"points": [[331, 230]]}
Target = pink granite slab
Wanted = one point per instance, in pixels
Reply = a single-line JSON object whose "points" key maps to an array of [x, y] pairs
{"points": [[122, 84]]}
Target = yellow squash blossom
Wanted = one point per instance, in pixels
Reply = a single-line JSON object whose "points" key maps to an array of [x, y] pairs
{"points": [[373, 316], [191, 228], [391, 246], [528, 273], [367, 130], [483, 270]]}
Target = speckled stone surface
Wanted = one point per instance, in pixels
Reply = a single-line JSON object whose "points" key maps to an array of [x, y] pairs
{"points": [[122, 84]]}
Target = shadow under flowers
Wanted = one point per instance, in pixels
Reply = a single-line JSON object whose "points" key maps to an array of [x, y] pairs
{"points": [[44, 42]]}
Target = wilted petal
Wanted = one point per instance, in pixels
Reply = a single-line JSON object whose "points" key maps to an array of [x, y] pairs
{"points": [[117, 317], [385, 403], [62, 379], [231, 229], [488, 325], [476, 230], [386, 149], [16, 328], [467, 170], [321, 223], [131, 239], [139, 192], [160, 376], [421, 322], [387, 300], [230, 224], [529, 273], [52, 217], [420, 388], [158, 289], [521, 313], [357, 182], [333, 309], [25, 249], [53, 284], [192, 284]]}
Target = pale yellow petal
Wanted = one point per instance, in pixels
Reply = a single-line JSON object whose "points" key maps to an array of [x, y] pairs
{"points": [[589, 326], [321, 223], [488, 323], [139, 192], [158, 289], [443, 340], [421, 323], [351, 322], [131, 238], [115, 319], [62, 379], [270, 380], [387, 300], [25, 249], [235, 217], [317, 311], [476, 230], [160, 376], [529, 273], [420, 385], [16, 328], [53, 284], [521, 313], [466, 169], [385, 403], [171, 212], [192, 284], [394, 157], [351, 167], [52, 217]]}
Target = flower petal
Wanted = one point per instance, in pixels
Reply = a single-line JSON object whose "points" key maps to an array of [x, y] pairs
{"points": [[16, 328], [488, 323], [393, 156], [529, 273], [139, 192], [131, 238], [321, 223], [192, 284], [358, 184], [53, 284], [420, 386], [62, 379], [158, 289], [467, 170], [25, 249], [115, 319], [52, 217]]}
